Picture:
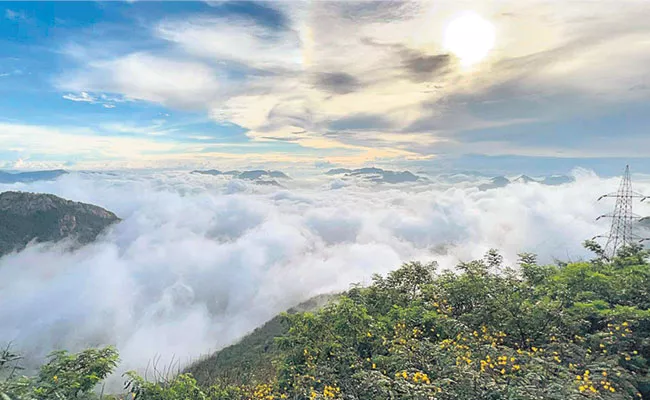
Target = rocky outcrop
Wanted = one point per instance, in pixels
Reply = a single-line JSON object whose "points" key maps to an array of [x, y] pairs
{"points": [[26, 217]]}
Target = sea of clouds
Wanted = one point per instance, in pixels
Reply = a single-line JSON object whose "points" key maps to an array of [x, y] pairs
{"points": [[198, 261]]}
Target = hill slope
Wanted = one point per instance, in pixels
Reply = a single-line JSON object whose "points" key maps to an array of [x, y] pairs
{"points": [[572, 331], [253, 358], [47, 218], [568, 331]]}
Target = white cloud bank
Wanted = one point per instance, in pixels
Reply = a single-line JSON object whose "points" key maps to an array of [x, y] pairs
{"points": [[198, 261]]}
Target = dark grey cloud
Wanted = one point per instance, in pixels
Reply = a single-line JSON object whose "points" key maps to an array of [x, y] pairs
{"points": [[422, 67], [417, 66], [361, 122], [337, 82], [280, 139], [261, 12], [290, 113]]}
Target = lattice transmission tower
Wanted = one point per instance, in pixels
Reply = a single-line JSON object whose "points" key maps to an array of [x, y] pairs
{"points": [[621, 232]]}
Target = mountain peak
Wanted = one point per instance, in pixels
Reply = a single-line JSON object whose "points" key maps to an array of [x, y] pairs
{"points": [[524, 179], [48, 218]]}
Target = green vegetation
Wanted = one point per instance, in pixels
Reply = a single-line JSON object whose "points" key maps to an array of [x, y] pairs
{"points": [[47, 218], [256, 357], [64, 376], [486, 331]]}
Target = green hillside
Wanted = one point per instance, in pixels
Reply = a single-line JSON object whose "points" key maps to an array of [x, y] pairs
{"points": [[485, 331], [255, 357], [47, 218]]}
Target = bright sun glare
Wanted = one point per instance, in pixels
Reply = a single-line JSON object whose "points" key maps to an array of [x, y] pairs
{"points": [[470, 37]]}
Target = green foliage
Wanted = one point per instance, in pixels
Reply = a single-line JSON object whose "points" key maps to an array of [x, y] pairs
{"points": [[254, 359], [47, 218], [580, 330], [64, 376], [571, 331], [251, 360]]}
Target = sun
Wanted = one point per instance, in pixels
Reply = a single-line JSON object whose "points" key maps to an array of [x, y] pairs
{"points": [[469, 37]]}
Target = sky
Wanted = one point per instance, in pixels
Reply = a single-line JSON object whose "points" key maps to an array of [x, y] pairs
{"points": [[517, 86]]}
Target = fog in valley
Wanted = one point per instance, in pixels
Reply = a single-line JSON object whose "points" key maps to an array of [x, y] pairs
{"points": [[200, 260]]}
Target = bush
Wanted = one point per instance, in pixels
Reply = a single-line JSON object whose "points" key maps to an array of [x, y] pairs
{"points": [[569, 331]]}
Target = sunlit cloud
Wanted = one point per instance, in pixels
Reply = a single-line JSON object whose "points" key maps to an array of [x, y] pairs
{"points": [[408, 78]]}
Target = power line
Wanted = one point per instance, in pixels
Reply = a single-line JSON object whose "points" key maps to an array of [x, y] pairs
{"points": [[620, 233]]}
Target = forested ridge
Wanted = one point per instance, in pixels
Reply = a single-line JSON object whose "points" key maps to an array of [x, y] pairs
{"points": [[484, 331]]}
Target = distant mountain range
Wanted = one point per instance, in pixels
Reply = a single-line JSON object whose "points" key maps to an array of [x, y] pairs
{"points": [[258, 176], [496, 182], [377, 175], [47, 218], [502, 181], [31, 176]]}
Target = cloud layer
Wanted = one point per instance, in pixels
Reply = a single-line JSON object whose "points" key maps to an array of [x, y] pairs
{"points": [[375, 76], [198, 261]]}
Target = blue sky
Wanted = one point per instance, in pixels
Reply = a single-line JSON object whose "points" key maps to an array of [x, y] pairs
{"points": [[157, 84]]}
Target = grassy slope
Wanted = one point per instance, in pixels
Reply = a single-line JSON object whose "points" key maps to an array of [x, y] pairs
{"points": [[252, 358]]}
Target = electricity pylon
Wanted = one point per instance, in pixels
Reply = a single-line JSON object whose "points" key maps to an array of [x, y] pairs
{"points": [[620, 233]]}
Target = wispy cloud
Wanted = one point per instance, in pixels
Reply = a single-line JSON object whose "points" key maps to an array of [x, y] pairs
{"points": [[319, 66], [125, 145], [15, 15], [14, 72], [103, 99], [147, 77]]}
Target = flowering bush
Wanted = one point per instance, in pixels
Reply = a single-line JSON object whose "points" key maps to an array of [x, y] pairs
{"points": [[486, 331]]}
